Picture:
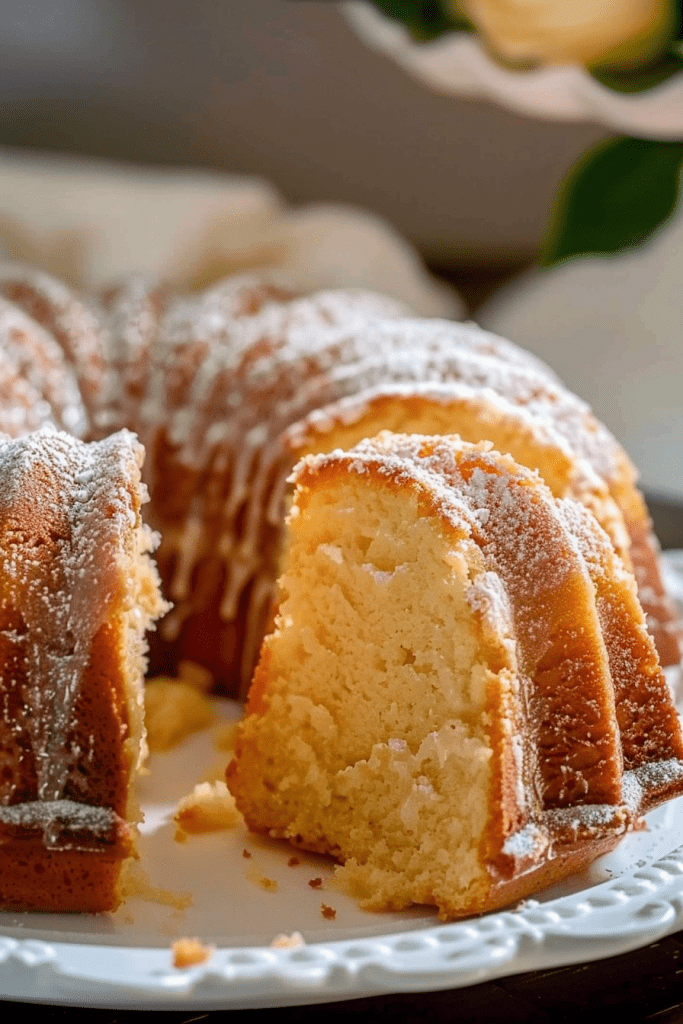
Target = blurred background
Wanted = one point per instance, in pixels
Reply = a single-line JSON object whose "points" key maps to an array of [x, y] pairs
{"points": [[284, 90]]}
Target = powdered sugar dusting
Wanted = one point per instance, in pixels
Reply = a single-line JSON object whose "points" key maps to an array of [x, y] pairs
{"points": [[30, 355], [66, 509], [221, 386], [535, 552], [487, 596], [66, 814], [72, 322]]}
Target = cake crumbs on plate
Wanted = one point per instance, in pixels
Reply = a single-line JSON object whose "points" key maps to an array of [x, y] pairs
{"points": [[329, 913], [246, 854], [210, 807], [293, 862], [195, 675], [288, 941], [190, 952], [527, 904], [315, 883], [254, 875], [174, 709], [136, 883]]}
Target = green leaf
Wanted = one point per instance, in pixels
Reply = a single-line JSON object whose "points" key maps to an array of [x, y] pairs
{"points": [[426, 19], [669, 64], [614, 198]]}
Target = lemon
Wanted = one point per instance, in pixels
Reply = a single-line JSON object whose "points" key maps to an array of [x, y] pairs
{"points": [[614, 34]]}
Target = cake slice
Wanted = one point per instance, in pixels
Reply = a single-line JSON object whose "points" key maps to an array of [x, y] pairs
{"points": [[78, 590], [436, 705]]}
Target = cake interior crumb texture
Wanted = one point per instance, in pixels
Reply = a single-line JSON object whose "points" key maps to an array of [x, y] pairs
{"points": [[385, 691], [412, 714]]}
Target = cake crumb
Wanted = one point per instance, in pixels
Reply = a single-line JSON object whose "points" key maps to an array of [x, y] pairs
{"points": [[292, 862], [190, 952], [174, 710], [315, 883], [527, 904], [210, 807], [195, 675], [329, 913], [288, 941], [135, 883], [254, 875], [246, 854]]}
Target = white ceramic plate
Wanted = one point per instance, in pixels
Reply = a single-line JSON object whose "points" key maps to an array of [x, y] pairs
{"points": [[456, 64], [627, 899]]}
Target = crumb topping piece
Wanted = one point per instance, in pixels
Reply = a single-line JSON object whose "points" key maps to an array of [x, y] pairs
{"points": [[288, 941], [174, 709], [190, 953], [210, 807]]}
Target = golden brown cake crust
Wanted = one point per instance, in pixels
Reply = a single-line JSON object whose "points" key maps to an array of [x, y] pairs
{"points": [[226, 388], [539, 437], [77, 591]]}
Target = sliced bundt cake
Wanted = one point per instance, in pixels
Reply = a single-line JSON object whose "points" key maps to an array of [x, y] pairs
{"points": [[227, 388], [77, 592], [460, 700]]}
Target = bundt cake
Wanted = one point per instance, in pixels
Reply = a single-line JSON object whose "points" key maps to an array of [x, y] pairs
{"points": [[227, 389], [460, 699], [78, 590]]}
